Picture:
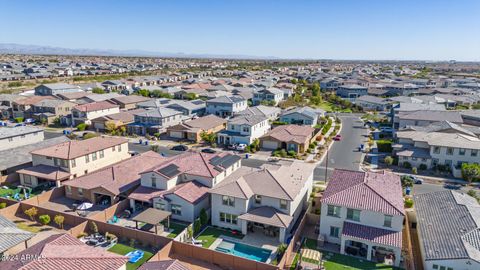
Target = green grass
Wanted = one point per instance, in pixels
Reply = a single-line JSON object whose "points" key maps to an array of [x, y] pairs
{"points": [[295, 261], [210, 234], [177, 228], [124, 249]]}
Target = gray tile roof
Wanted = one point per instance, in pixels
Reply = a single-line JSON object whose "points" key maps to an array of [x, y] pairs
{"points": [[10, 235], [247, 120], [7, 132], [226, 99], [449, 224]]}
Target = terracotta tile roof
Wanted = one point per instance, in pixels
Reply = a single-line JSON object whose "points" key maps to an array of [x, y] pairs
{"points": [[95, 106], [164, 265], [129, 99], [191, 191], [372, 234], [32, 100], [379, 192], [290, 133], [74, 149], [63, 251], [145, 194], [118, 177]]}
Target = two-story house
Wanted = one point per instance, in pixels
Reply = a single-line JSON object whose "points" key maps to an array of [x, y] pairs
{"points": [[86, 112], [155, 121], [12, 137], [71, 159], [362, 214], [351, 91], [270, 96], [257, 200], [53, 89], [226, 106], [243, 129], [302, 116], [46, 111], [180, 184]]}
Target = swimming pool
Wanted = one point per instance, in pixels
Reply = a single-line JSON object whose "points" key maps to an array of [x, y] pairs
{"points": [[245, 251]]}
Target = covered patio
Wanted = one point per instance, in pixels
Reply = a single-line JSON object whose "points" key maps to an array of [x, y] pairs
{"points": [[154, 217], [266, 220], [40, 174], [373, 244]]}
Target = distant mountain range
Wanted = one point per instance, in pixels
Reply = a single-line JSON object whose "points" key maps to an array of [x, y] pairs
{"points": [[13, 48]]}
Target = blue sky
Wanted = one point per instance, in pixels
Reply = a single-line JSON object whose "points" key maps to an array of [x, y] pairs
{"points": [[334, 29]]}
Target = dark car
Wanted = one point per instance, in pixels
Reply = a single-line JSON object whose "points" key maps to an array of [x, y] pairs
{"points": [[208, 151], [179, 147]]}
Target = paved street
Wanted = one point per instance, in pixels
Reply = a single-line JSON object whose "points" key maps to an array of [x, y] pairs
{"points": [[344, 154], [144, 148]]}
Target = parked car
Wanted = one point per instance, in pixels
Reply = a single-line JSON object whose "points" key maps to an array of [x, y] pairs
{"points": [[386, 129], [240, 147], [416, 180], [337, 138], [179, 147], [208, 151], [133, 153]]}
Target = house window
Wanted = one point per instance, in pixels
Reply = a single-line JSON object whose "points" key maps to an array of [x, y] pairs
{"points": [[461, 151], [334, 231], [228, 218], [74, 164], [49, 158], [474, 153], [159, 205], [246, 129], [10, 139], [258, 199], [227, 200], [69, 189], [119, 148], [436, 150], [27, 179], [283, 204], [113, 149], [176, 209], [353, 214], [94, 156], [387, 221], [80, 192], [333, 211], [102, 154], [87, 158], [154, 182], [55, 161], [449, 151]]}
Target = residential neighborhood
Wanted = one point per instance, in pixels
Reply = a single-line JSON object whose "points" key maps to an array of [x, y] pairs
{"points": [[281, 141]]}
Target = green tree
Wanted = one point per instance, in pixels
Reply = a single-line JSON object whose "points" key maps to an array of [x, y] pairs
{"points": [[155, 147], [81, 127], [59, 219], [406, 180], [388, 160], [203, 217], [98, 90], [210, 138], [143, 92], [316, 89], [44, 219], [190, 96], [197, 225], [110, 127], [31, 213], [470, 172], [93, 227]]}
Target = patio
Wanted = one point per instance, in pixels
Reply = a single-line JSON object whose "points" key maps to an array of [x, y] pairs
{"points": [[67, 205]]}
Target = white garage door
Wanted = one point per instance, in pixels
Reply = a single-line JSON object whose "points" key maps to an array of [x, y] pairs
{"points": [[270, 145], [176, 134]]}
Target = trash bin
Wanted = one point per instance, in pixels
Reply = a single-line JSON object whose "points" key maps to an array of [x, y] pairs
{"points": [[140, 141], [246, 156], [146, 142], [408, 190]]}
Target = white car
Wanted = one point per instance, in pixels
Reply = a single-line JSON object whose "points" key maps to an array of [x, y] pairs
{"points": [[240, 147]]}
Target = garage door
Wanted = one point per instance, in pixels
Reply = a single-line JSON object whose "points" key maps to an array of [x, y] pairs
{"points": [[176, 134], [270, 145]]}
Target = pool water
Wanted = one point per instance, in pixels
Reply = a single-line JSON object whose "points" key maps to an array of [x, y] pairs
{"points": [[245, 251]]}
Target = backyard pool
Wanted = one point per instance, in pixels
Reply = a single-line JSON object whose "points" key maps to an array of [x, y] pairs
{"points": [[245, 251]]}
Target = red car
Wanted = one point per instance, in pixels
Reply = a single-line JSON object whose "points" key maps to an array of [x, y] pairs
{"points": [[337, 138]]}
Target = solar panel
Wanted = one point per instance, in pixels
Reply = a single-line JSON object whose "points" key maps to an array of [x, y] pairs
{"points": [[225, 161], [170, 170]]}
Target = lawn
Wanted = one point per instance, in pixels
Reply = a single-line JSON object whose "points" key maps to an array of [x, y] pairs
{"points": [[210, 234], [124, 249], [177, 228]]}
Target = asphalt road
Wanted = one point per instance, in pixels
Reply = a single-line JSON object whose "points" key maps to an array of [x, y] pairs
{"points": [[50, 135], [344, 154], [144, 148]]}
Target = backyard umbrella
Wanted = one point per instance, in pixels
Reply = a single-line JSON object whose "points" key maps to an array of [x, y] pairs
{"points": [[84, 206]]}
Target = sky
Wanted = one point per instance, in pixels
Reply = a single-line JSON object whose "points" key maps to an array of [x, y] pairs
{"points": [[300, 29]]}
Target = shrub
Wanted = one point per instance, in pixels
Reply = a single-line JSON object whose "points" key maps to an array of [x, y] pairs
{"points": [[19, 120], [422, 167], [203, 217], [31, 213], [279, 123], [407, 165], [470, 172], [292, 153], [89, 136], [407, 181], [93, 227], [132, 243], [44, 219], [384, 146], [408, 203], [3, 205], [59, 219], [110, 236], [81, 127], [388, 160], [414, 170]]}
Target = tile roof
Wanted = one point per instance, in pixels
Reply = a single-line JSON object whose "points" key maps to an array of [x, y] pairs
{"points": [[379, 192], [46, 172], [63, 251], [7, 132], [449, 223], [10, 235], [119, 177], [163, 265], [372, 234], [290, 133], [95, 106], [74, 149], [267, 215]]}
